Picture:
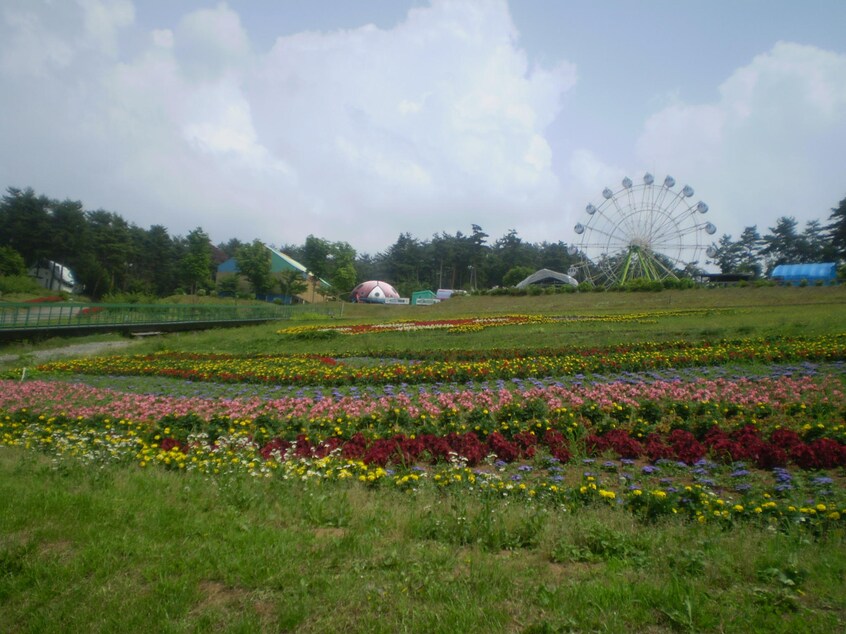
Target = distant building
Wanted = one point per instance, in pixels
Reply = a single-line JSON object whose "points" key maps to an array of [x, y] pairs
{"points": [[279, 263], [795, 274], [53, 276]]}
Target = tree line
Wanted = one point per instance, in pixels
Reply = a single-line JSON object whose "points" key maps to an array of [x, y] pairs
{"points": [[110, 256], [758, 255]]}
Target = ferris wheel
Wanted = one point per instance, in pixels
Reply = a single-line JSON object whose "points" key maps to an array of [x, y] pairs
{"points": [[644, 231]]}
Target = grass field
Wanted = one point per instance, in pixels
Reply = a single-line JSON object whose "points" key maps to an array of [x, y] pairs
{"points": [[95, 540]]}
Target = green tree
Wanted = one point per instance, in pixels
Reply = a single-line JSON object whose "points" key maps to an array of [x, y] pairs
{"points": [[230, 248], [344, 278], [11, 262], [228, 285], [105, 262], [516, 275], [254, 263], [783, 245], [750, 244], [291, 283], [196, 261], [342, 274], [316, 256], [727, 254], [159, 256], [836, 230], [25, 224], [316, 259], [70, 236], [508, 252]]}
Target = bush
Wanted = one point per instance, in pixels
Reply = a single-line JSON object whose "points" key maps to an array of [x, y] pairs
{"points": [[129, 298], [18, 284], [11, 262]]}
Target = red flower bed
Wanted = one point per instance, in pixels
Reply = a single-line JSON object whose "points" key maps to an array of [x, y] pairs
{"points": [[39, 300], [746, 444]]}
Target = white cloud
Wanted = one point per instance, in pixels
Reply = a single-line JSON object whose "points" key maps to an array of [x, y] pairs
{"points": [[30, 48], [764, 149], [434, 124], [103, 21], [353, 135]]}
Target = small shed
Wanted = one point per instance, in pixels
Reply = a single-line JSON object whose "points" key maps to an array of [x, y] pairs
{"points": [[423, 298], [816, 273], [547, 277]]}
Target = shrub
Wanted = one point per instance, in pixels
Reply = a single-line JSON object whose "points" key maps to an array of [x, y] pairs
{"points": [[11, 262], [18, 284], [129, 298]]}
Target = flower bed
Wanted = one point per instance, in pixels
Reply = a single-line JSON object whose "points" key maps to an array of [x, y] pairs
{"points": [[314, 369], [710, 444], [475, 324]]}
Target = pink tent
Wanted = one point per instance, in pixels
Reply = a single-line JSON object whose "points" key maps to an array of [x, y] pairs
{"points": [[373, 291]]}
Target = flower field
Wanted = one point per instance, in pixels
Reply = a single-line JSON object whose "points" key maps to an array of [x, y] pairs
{"points": [[751, 430], [457, 474]]}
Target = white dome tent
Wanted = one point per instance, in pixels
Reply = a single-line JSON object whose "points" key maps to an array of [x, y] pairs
{"points": [[546, 277]]}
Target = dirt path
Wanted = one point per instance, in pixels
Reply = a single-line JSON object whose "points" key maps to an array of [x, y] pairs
{"points": [[93, 348]]}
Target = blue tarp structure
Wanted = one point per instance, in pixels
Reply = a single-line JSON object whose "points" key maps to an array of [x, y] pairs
{"points": [[825, 272]]}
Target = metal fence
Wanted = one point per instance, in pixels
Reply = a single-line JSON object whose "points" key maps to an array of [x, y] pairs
{"points": [[61, 315]]}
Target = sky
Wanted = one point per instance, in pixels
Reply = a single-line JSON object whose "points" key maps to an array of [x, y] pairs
{"points": [[359, 120]]}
